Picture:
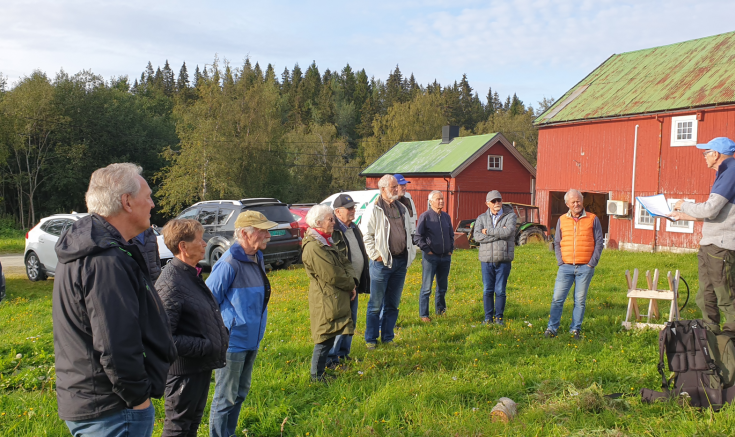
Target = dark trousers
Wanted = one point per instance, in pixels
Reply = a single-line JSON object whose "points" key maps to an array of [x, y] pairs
{"points": [[319, 357], [186, 397], [434, 266], [716, 286], [494, 281]]}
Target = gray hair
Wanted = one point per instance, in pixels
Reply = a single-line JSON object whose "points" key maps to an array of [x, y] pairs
{"points": [[107, 186], [247, 229], [384, 182], [572, 192], [433, 194], [317, 214]]}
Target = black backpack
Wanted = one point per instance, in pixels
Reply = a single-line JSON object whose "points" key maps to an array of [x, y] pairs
{"points": [[701, 362]]}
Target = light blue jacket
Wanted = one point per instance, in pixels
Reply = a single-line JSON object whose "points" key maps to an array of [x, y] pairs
{"points": [[242, 290]]}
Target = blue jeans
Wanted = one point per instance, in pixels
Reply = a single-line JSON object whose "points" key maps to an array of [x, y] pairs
{"points": [[125, 423], [386, 287], [434, 265], [231, 387], [570, 274], [343, 343], [494, 280]]}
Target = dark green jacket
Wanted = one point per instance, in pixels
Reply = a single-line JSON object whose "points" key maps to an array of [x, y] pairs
{"points": [[331, 282]]}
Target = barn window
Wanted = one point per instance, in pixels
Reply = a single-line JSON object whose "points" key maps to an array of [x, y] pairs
{"points": [[643, 220], [684, 131], [682, 226], [494, 162]]}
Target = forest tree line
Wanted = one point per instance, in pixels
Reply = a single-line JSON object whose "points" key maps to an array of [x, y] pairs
{"points": [[226, 132]]}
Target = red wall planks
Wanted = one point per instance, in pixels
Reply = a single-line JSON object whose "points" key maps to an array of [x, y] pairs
{"points": [[597, 156]]}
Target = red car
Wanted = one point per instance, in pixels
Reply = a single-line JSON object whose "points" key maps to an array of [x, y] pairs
{"points": [[298, 211]]}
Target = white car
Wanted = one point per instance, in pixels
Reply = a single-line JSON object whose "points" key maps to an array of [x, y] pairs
{"points": [[40, 256], [363, 199]]}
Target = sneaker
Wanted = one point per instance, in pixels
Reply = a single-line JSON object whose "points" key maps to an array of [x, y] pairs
{"points": [[333, 365], [500, 322], [487, 322], [371, 346], [575, 335], [549, 333]]}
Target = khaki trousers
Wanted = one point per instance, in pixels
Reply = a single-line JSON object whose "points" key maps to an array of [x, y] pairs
{"points": [[716, 287]]}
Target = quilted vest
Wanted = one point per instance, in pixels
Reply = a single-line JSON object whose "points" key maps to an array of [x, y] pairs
{"points": [[577, 239]]}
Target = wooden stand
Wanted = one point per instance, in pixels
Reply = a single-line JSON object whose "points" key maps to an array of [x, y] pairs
{"points": [[654, 294]]}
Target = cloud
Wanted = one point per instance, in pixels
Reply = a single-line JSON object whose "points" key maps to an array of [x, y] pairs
{"points": [[535, 48]]}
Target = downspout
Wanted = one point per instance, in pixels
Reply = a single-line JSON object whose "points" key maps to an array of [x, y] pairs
{"points": [[632, 184], [447, 181], [658, 183]]}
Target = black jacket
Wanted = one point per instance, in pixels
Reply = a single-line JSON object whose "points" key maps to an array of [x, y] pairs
{"points": [[340, 241], [199, 333], [149, 250], [434, 233], [111, 338]]}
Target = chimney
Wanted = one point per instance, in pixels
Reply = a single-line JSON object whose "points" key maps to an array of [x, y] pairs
{"points": [[449, 133]]}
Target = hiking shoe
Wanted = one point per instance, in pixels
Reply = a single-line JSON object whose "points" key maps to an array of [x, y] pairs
{"points": [[549, 333], [487, 322], [575, 335], [371, 346], [500, 322]]}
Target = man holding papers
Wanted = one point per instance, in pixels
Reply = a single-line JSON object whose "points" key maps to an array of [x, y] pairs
{"points": [[717, 247]]}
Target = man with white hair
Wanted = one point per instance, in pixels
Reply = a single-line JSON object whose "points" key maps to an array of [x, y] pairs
{"points": [[578, 244], [435, 238], [389, 246], [717, 248], [242, 291], [111, 336]]}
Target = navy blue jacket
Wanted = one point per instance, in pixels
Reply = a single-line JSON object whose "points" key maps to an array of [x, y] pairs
{"points": [[434, 233]]}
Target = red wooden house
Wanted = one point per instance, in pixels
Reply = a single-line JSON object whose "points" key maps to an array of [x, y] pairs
{"points": [[463, 168], [629, 129]]}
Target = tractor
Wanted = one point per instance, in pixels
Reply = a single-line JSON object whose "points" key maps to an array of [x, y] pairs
{"points": [[528, 228]]}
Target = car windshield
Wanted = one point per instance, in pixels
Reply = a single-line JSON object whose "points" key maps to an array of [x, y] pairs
{"points": [[276, 213]]}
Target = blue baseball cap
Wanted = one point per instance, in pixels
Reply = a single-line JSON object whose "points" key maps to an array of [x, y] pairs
{"points": [[724, 145], [400, 179]]}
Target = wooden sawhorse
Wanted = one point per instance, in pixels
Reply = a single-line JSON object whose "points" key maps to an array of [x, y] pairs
{"points": [[654, 294]]}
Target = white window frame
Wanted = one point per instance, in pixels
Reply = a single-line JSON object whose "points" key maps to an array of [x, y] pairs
{"points": [[673, 227], [639, 210], [674, 130], [494, 168]]}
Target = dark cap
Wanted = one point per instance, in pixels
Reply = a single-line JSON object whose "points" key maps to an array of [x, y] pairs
{"points": [[344, 201]]}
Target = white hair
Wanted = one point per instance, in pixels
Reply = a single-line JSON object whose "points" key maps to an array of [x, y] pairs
{"points": [[572, 192], [384, 182], [317, 214], [247, 229], [107, 186], [433, 194]]}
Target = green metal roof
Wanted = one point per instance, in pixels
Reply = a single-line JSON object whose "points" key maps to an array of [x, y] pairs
{"points": [[690, 74], [428, 157]]}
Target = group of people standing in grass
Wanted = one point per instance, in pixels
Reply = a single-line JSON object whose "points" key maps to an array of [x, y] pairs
{"points": [[126, 332]]}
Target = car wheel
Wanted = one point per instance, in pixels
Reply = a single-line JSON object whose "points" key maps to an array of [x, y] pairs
{"points": [[531, 235], [34, 268], [215, 255]]}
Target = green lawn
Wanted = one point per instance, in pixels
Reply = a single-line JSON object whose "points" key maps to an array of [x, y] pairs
{"points": [[440, 379], [13, 243]]}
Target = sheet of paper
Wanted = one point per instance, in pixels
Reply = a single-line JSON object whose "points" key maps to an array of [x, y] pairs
{"points": [[656, 205]]}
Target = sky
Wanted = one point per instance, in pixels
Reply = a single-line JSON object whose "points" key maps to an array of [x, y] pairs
{"points": [[535, 49]]}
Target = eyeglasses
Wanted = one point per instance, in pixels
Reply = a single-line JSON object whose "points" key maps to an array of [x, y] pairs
{"points": [[496, 201], [706, 152], [329, 219]]}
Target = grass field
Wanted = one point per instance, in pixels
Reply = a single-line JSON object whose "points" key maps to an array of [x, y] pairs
{"points": [[441, 378], [13, 243]]}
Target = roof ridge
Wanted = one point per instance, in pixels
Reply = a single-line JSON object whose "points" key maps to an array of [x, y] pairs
{"points": [[675, 43]]}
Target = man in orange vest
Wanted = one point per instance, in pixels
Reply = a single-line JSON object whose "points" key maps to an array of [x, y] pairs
{"points": [[578, 244]]}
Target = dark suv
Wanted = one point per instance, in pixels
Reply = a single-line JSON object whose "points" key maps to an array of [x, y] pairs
{"points": [[218, 218]]}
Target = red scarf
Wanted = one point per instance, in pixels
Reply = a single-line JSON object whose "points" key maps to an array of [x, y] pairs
{"points": [[325, 235]]}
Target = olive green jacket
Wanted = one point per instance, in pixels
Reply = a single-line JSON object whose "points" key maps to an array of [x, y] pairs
{"points": [[331, 281]]}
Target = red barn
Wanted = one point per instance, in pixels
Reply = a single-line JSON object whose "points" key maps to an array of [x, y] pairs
{"points": [[463, 168], [629, 129]]}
